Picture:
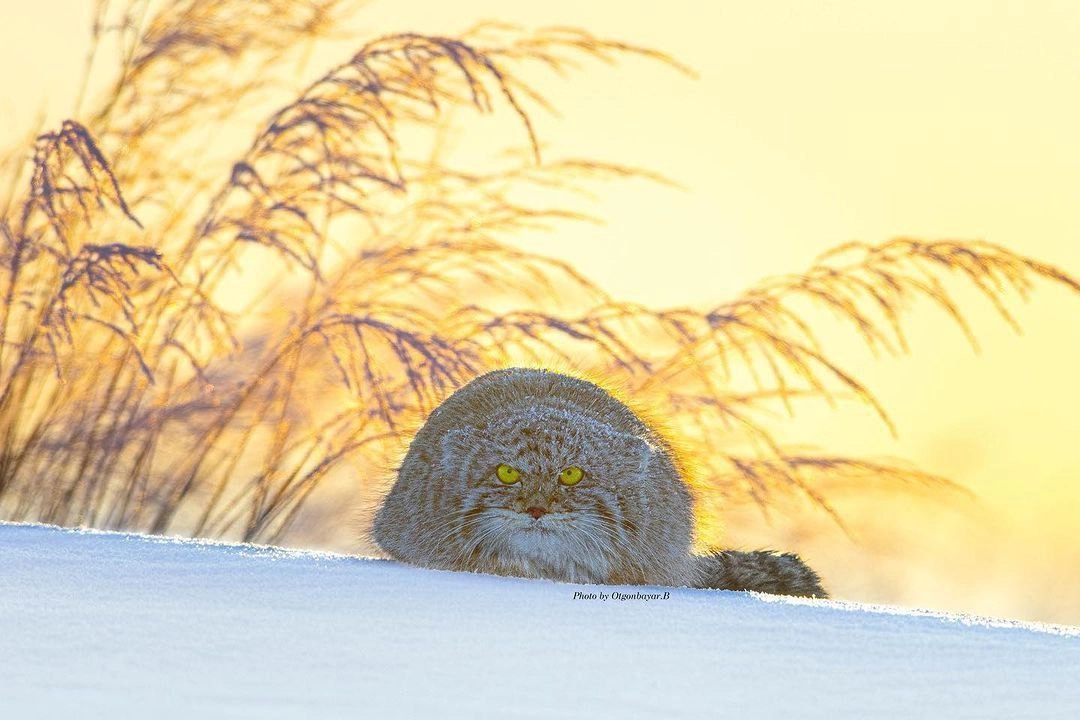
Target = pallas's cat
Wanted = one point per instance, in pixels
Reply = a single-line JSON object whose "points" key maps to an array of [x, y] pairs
{"points": [[538, 474]]}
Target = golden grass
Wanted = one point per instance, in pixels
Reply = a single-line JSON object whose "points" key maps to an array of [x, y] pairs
{"points": [[136, 395]]}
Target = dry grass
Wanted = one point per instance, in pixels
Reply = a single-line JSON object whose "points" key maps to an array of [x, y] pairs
{"points": [[143, 386]]}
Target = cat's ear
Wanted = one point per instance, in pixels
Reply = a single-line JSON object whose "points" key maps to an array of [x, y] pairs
{"points": [[456, 448], [637, 451]]}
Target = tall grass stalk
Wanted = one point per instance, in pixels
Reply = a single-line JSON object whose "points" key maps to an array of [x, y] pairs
{"points": [[145, 386]]}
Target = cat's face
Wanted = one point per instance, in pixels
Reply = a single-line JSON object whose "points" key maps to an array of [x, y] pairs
{"points": [[538, 491]]}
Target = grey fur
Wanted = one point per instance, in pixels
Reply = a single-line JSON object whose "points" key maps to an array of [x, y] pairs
{"points": [[629, 521], [760, 570]]}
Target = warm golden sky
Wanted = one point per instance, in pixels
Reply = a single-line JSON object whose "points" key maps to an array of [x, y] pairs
{"points": [[811, 124]]}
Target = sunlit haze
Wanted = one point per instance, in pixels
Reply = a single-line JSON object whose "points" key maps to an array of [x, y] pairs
{"points": [[809, 125]]}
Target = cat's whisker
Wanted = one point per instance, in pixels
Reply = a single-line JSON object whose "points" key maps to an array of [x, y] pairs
{"points": [[478, 541], [581, 532], [450, 526], [617, 542]]}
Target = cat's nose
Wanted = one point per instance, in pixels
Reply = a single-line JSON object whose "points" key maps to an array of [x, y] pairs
{"points": [[535, 511]]}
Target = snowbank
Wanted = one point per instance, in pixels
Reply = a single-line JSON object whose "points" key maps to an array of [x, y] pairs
{"points": [[105, 625]]}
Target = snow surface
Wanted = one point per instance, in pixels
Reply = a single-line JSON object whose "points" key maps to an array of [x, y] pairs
{"points": [[107, 625]]}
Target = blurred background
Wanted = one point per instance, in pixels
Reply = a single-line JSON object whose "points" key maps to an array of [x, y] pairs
{"points": [[810, 125]]}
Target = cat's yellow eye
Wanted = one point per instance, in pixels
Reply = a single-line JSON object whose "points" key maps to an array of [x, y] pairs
{"points": [[571, 475], [507, 474]]}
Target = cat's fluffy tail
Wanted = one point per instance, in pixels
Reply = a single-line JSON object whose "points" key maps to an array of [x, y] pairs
{"points": [[759, 570]]}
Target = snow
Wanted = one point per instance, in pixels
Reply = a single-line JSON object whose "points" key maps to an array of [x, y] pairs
{"points": [[108, 625]]}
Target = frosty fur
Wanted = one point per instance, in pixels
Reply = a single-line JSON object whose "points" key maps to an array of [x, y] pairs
{"points": [[629, 521]]}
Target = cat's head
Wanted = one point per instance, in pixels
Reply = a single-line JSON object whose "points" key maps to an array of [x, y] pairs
{"points": [[547, 491]]}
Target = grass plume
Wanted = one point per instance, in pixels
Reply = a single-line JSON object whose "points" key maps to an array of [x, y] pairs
{"points": [[149, 384]]}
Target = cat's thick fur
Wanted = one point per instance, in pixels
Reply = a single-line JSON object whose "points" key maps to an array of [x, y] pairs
{"points": [[629, 521]]}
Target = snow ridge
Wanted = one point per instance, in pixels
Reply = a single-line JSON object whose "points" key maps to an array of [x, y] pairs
{"points": [[107, 625]]}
